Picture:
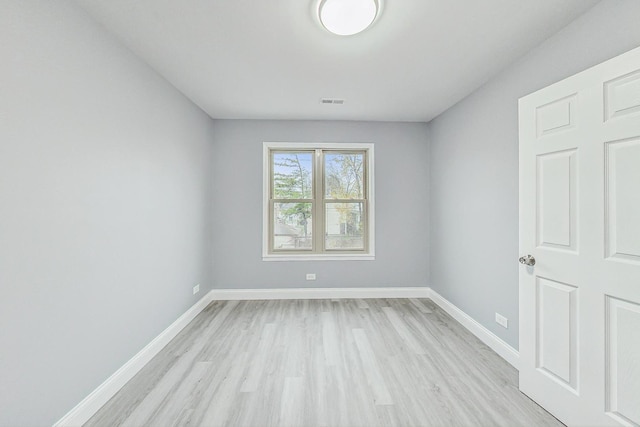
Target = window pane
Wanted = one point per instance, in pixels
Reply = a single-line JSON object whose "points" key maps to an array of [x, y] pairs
{"points": [[292, 175], [292, 226], [344, 226], [344, 175]]}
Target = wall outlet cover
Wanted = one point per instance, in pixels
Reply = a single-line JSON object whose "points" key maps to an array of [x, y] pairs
{"points": [[311, 276], [196, 289], [502, 321]]}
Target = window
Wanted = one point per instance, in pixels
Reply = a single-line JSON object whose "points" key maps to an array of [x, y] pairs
{"points": [[318, 201]]}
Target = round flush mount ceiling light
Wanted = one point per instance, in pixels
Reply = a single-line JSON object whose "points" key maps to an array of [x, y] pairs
{"points": [[347, 17]]}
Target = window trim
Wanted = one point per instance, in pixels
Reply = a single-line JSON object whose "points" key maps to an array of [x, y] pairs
{"points": [[369, 253]]}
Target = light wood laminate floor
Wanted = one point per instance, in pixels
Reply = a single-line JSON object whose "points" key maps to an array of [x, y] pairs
{"points": [[373, 362]]}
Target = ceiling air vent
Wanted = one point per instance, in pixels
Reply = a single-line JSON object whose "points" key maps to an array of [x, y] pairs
{"points": [[331, 101]]}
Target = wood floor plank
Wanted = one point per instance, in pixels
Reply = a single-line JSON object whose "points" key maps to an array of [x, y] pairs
{"points": [[374, 362], [173, 409], [259, 360], [372, 369], [401, 328], [422, 307], [292, 403], [330, 339], [218, 400]]}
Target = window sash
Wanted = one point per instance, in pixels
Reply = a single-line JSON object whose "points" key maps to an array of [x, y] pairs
{"points": [[365, 227], [272, 218], [347, 152], [326, 201], [272, 172]]}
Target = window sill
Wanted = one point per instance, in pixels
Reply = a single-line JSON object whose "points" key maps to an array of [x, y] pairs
{"points": [[318, 257]]}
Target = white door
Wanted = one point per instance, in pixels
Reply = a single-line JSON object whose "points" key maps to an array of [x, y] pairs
{"points": [[580, 220]]}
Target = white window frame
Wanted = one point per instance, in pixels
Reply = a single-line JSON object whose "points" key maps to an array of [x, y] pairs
{"points": [[369, 253]]}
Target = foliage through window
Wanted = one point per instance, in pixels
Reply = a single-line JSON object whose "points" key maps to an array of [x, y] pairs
{"points": [[318, 199]]}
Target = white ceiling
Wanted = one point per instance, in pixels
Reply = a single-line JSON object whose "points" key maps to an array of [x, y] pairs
{"points": [[271, 59]]}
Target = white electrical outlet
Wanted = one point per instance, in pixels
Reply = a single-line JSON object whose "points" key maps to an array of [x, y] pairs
{"points": [[311, 276], [196, 289], [502, 321]]}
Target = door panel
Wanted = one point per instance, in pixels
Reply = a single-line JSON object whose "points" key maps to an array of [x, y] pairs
{"points": [[557, 326], [622, 95], [556, 116], [580, 219], [623, 200], [623, 374], [557, 209]]}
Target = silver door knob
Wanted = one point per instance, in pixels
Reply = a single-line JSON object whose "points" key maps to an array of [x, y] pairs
{"points": [[527, 260]]}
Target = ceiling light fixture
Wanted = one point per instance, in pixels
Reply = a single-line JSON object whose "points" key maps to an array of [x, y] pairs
{"points": [[347, 17]]}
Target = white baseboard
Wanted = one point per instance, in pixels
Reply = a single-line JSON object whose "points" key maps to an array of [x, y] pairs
{"points": [[503, 349], [319, 293], [101, 395]]}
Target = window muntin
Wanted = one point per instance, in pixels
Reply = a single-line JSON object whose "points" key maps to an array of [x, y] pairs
{"points": [[318, 200]]}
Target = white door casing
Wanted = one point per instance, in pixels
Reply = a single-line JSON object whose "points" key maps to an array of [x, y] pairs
{"points": [[580, 220]]}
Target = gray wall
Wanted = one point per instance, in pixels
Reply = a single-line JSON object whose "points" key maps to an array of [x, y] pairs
{"points": [[402, 205], [105, 184], [474, 166]]}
